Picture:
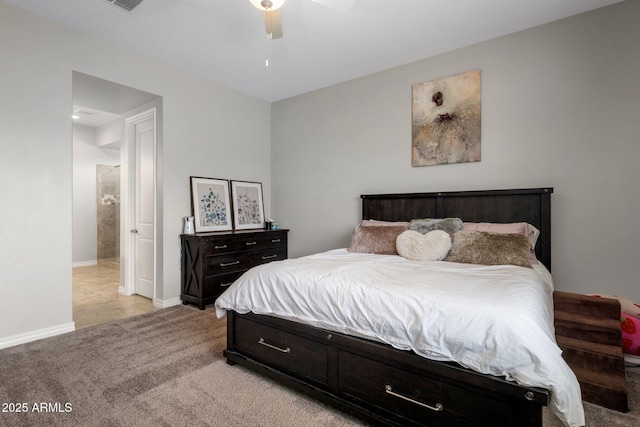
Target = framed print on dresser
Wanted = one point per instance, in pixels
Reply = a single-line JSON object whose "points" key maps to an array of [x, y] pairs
{"points": [[210, 204], [248, 207]]}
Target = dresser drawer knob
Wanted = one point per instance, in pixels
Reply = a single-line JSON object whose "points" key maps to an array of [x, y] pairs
{"points": [[250, 243], [269, 256], [275, 240], [220, 247], [227, 264], [529, 395], [389, 390], [261, 341]]}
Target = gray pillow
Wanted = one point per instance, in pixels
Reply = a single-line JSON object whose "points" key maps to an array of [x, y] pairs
{"points": [[450, 225]]}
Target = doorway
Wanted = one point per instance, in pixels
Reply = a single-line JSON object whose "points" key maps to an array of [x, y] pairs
{"points": [[100, 278]]}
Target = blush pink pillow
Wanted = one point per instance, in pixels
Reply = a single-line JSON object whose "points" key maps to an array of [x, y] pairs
{"points": [[376, 223]]}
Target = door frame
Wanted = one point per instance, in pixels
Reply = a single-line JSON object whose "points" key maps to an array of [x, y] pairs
{"points": [[128, 190]]}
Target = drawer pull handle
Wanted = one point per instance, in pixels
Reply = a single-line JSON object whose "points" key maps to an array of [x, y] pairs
{"points": [[227, 264], [224, 285], [282, 350], [275, 240], [269, 256], [250, 243], [438, 407], [220, 247]]}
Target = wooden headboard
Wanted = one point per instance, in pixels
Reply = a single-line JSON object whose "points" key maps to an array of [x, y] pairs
{"points": [[532, 205]]}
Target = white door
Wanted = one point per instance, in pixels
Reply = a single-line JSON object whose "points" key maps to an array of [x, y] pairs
{"points": [[144, 192]]}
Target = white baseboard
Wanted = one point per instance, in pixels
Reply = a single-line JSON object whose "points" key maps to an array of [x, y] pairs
{"points": [[37, 335], [159, 303], [85, 263]]}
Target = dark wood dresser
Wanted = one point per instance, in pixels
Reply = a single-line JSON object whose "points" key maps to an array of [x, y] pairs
{"points": [[213, 261]]}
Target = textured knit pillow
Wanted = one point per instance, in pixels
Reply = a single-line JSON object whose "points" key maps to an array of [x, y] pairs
{"points": [[482, 247], [415, 246], [376, 240], [450, 225]]}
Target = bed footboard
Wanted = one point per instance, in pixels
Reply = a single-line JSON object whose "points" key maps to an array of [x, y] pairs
{"points": [[375, 382]]}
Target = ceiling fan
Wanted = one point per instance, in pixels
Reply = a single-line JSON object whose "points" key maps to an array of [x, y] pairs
{"points": [[271, 11]]}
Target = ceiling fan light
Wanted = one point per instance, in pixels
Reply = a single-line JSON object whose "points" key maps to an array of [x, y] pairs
{"points": [[263, 4]]}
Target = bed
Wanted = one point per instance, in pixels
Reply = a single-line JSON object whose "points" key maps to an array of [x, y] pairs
{"points": [[385, 382]]}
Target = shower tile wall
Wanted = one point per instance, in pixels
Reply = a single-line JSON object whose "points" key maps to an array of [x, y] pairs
{"points": [[108, 200]]}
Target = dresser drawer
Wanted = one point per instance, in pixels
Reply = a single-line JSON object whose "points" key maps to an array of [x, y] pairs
{"points": [[271, 240], [223, 264], [216, 245], [282, 350], [216, 285], [269, 255], [420, 399]]}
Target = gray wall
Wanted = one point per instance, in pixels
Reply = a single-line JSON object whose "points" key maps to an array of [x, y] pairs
{"points": [[207, 130], [560, 108]]}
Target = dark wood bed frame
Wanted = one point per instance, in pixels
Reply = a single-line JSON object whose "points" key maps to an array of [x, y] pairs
{"points": [[382, 385]]}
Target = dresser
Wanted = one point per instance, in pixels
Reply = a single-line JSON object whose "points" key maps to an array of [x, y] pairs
{"points": [[211, 262]]}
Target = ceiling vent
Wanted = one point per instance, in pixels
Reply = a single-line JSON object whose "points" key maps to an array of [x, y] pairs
{"points": [[127, 5]]}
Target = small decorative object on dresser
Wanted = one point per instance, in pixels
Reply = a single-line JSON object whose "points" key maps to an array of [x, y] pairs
{"points": [[213, 261]]}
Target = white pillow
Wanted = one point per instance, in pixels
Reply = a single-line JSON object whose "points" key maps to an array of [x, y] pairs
{"points": [[415, 246]]}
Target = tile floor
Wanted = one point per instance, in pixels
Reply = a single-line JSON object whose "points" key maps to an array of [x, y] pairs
{"points": [[96, 299]]}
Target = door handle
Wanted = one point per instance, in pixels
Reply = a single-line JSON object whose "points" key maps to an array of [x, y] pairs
{"points": [[135, 231]]}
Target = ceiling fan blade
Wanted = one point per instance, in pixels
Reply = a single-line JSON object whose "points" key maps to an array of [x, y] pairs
{"points": [[273, 24], [343, 5]]}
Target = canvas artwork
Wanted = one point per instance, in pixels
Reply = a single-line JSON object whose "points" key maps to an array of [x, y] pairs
{"points": [[446, 120], [248, 210], [211, 204]]}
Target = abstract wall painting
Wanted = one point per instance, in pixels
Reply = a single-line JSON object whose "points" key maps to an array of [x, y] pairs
{"points": [[446, 120]]}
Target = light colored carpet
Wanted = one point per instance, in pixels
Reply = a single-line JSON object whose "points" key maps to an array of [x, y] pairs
{"points": [[166, 368]]}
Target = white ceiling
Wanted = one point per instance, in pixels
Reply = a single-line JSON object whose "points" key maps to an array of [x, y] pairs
{"points": [[225, 40], [91, 117]]}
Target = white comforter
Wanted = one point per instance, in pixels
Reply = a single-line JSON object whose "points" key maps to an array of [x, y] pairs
{"points": [[493, 319]]}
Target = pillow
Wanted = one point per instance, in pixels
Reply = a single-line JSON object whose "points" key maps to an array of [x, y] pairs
{"points": [[380, 240], [376, 223], [487, 248], [527, 230], [630, 326], [415, 246], [626, 304], [629, 323], [450, 225]]}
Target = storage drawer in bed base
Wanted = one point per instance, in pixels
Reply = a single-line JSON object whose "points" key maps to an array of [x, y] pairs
{"points": [[385, 386]]}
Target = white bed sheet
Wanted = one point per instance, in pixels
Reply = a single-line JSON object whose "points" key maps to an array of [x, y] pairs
{"points": [[496, 320]]}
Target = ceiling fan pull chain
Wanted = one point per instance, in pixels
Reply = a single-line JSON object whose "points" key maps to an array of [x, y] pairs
{"points": [[269, 34], [267, 50]]}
